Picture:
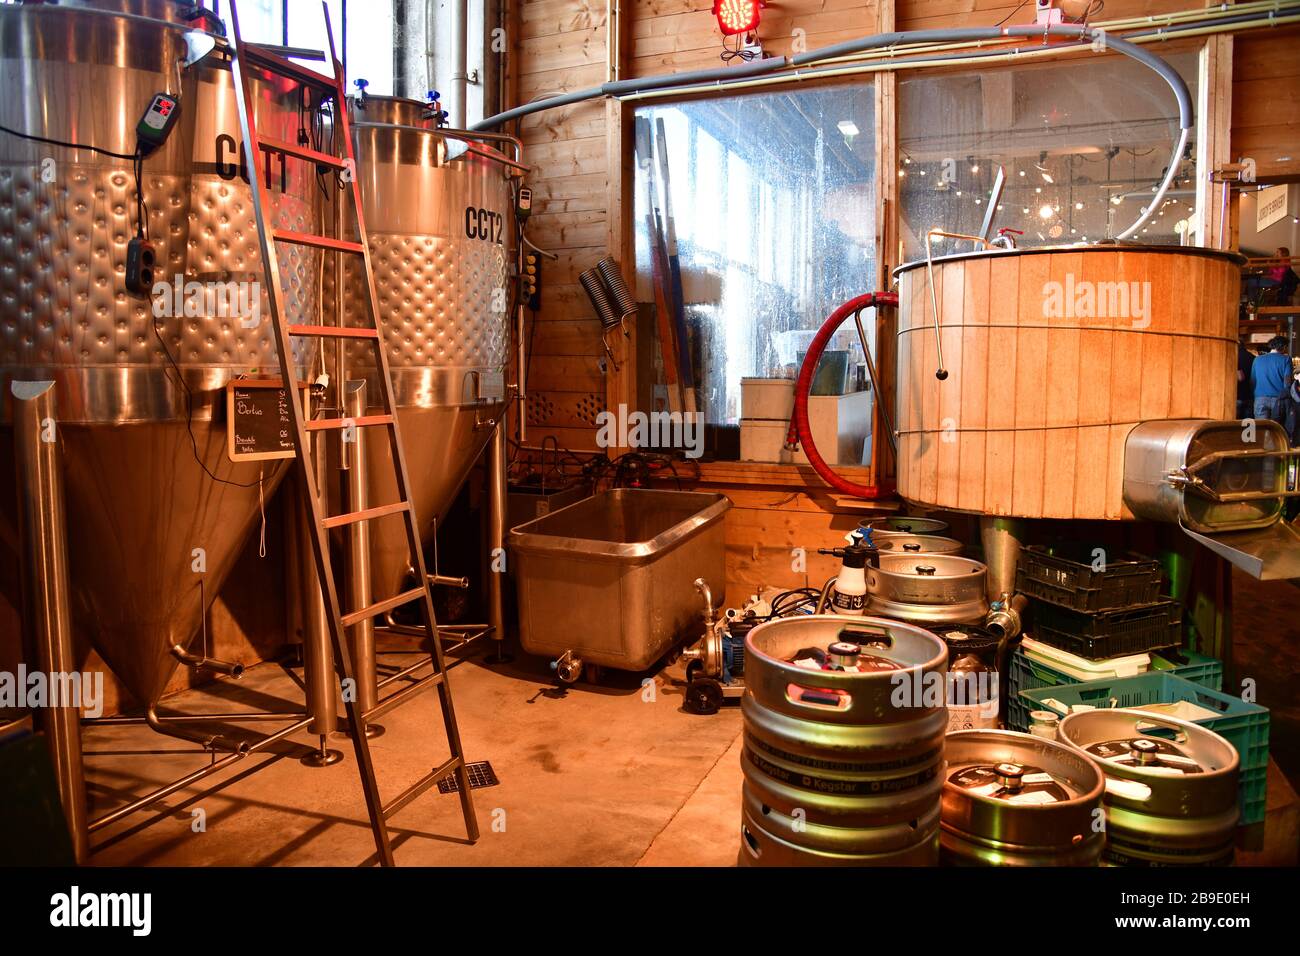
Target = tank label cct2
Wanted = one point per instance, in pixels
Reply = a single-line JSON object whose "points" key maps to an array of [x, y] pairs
{"points": [[484, 224]]}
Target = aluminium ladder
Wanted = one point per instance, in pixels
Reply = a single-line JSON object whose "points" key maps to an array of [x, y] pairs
{"points": [[247, 58]]}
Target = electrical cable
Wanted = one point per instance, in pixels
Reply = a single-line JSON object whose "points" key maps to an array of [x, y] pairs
{"points": [[67, 145], [189, 415], [1011, 14], [136, 160]]}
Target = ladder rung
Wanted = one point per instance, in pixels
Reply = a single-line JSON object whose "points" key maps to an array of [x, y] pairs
{"points": [[369, 514], [302, 152], [320, 242], [278, 64], [421, 785], [400, 696], [334, 331], [325, 424], [374, 610]]}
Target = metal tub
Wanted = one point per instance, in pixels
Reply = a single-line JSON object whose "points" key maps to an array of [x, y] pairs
{"points": [[610, 580]]}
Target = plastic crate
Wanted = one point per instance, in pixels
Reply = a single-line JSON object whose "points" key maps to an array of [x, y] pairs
{"points": [[1243, 725], [1064, 575], [1025, 673], [1199, 668], [1104, 634]]}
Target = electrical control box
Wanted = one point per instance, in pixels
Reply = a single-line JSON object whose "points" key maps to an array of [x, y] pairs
{"points": [[157, 122]]}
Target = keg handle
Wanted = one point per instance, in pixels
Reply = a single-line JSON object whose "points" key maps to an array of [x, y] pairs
{"points": [[819, 698], [1145, 724], [941, 373], [1188, 478], [865, 636]]}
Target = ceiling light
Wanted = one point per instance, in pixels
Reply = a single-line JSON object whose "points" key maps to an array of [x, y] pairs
{"points": [[1045, 211], [847, 127]]}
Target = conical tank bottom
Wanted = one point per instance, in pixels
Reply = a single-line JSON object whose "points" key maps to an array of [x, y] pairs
{"points": [[145, 525], [441, 444]]}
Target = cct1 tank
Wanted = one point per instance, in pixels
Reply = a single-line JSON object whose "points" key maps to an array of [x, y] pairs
{"points": [[155, 507]]}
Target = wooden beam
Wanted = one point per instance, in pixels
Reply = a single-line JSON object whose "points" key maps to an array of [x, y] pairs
{"points": [[1214, 138]]}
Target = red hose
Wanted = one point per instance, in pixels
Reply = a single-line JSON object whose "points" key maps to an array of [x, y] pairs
{"points": [[800, 430]]}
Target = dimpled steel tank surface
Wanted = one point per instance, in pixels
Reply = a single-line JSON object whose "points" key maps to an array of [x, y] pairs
{"points": [[140, 389], [841, 768]]}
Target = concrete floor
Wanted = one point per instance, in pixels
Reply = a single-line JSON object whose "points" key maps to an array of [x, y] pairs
{"points": [[590, 775]]}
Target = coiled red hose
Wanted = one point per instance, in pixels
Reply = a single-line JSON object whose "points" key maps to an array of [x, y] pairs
{"points": [[800, 430]]}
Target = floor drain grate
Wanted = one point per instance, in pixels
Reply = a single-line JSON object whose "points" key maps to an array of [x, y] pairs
{"points": [[481, 775]]}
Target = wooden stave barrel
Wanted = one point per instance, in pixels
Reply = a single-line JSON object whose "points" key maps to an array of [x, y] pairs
{"points": [[1003, 445]]}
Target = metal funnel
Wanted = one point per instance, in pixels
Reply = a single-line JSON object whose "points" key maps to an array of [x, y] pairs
{"points": [[442, 444], [144, 521]]}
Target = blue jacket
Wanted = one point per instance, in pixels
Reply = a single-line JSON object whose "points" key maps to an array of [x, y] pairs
{"points": [[1271, 375]]}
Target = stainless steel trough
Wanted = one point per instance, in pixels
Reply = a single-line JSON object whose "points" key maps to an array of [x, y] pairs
{"points": [[610, 580]]}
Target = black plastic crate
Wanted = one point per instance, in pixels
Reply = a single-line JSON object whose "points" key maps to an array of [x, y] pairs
{"points": [[1102, 634], [1064, 575]]}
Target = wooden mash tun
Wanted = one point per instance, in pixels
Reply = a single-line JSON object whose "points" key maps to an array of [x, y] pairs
{"points": [[1088, 382]]}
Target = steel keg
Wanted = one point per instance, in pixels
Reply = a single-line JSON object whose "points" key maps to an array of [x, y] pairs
{"points": [[842, 767], [917, 544], [927, 588], [903, 524], [973, 691], [1012, 799], [1171, 787]]}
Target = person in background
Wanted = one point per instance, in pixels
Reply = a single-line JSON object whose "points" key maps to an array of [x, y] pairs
{"points": [[1245, 393], [1280, 277], [1271, 379]]}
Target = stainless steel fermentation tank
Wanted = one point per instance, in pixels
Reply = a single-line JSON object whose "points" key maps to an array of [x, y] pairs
{"points": [[439, 215], [154, 507]]}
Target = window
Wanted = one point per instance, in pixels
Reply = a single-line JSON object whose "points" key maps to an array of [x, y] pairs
{"points": [[1083, 143], [363, 32], [261, 21], [773, 199]]}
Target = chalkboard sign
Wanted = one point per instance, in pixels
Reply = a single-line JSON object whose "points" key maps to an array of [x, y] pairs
{"points": [[259, 423]]}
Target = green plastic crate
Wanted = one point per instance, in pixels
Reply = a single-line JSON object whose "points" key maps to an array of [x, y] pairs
{"points": [[1025, 673], [1243, 725]]}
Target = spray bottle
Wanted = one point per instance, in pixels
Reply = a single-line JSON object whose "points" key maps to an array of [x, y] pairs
{"points": [[849, 593]]}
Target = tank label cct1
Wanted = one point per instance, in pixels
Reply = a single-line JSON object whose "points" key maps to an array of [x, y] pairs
{"points": [[484, 224]]}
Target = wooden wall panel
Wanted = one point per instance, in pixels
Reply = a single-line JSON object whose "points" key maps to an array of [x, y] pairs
{"points": [[1266, 100], [560, 46], [583, 169]]}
